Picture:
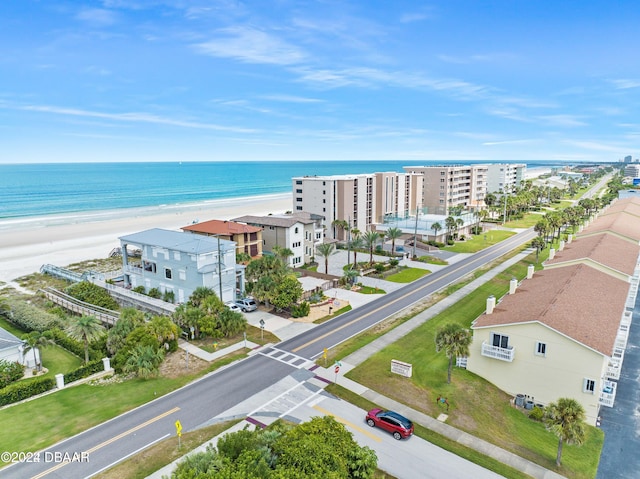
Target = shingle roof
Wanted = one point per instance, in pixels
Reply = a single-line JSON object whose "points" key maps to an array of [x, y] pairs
{"points": [[220, 227], [603, 248], [579, 301], [177, 241]]}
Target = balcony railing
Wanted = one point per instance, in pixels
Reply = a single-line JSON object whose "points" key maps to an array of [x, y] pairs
{"points": [[495, 352], [608, 393], [613, 368]]}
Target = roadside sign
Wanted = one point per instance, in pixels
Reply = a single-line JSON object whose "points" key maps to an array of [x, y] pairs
{"points": [[337, 369], [178, 428], [324, 354]]}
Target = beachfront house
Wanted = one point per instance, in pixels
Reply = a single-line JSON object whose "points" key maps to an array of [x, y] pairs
{"points": [[248, 238], [300, 232], [179, 262], [12, 349], [563, 331]]}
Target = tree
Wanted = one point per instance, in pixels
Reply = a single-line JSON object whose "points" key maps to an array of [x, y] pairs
{"points": [[231, 323], [287, 292], [538, 243], [325, 250], [454, 341], [436, 227], [370, 239], [130, 318], [143, 361], [32, 342], [451, 225], [393, 234], [355, 244], [565, 418], [85, 329], [350, 276], [342, 225]]}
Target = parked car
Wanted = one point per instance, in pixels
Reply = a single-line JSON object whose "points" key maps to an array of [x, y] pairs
{"points": [[233, 307], [393, 422], [247, 304]]}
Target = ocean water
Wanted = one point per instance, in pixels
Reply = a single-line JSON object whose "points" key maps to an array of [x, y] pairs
{"points": [[49, 189]]}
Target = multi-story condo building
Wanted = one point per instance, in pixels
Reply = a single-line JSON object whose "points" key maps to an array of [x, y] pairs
{"points": [[181, 262], [360, 200], [504, 177], [248, 239], [632, 171], [450, 186], [300, 232]]}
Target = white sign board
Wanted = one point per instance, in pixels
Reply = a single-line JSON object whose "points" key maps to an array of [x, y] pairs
{"points": [[401, 368]]}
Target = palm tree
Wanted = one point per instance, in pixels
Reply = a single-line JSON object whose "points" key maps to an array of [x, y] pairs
{"points": [[436, 227], [565, 418], [85, 329], [370, 239], [393, 234], [341, 225], [454, 341], [32, 342], [143, 361], [325, 250], [355, 244], [450, 224], [538, 243], [350, 276]]}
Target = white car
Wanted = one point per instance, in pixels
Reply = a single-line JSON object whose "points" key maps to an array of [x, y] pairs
{"points": [[233, 307]]}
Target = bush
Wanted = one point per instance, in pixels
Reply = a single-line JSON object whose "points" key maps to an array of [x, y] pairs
{"points": [[58, 336], [169, 296], [92, 294], [394, 262], [300, 310], [23, 390], [139, 289], [379, 267], [154, 293], [537, 413], [10, 372], [31, 318], [84, 371]]}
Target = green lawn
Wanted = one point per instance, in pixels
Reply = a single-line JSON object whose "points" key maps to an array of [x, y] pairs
{"points": [[476, 406], [407, 275], [479, 242], [528, 221], [371, 290], [432, 260]]}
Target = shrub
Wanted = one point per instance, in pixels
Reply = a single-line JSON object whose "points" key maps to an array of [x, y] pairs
{"points": [[96, 349], [394, 262], [300, 310], [92, 294], [139, 289], [10, 372], [84, 371], [154, 293], [31, 318], [379, 267], [169, 296], [23, 390], [537, 413]]}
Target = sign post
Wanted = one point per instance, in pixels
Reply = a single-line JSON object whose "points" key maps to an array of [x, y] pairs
{"points": [[179, 432], [337, 370], [324, 354], [262, 329]]}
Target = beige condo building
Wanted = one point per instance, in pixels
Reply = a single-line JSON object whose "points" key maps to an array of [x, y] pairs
{"points": [[361, 200]]}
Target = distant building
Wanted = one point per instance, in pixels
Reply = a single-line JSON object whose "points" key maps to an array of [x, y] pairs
{"points": [[503, 177], [12, 350], [181, 262], [632, 171], [300, 232], [446, 187], [360, 200], [248, 239], [627, 159]]}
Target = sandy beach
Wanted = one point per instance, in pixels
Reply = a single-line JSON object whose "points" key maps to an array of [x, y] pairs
{"points": [[25, 245]]}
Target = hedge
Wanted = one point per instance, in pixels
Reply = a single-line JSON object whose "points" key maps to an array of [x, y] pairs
{"points": [[73, 346], [92, 294], [31, 318], [25, 389], [84, 371]]}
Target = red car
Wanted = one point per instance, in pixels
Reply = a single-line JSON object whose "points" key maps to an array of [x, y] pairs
{"points": [[393, 422]]}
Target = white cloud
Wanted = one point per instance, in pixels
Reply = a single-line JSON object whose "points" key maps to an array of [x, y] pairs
{"points": [[97, 16], [563, 120], [291, 99], [252, 46], [625, 84], [134, 117]]}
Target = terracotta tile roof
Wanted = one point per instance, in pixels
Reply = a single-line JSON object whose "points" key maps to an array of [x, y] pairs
{"points": [[629, 205], [219, 227], [604, 248], [578, 301], [621, 224]]}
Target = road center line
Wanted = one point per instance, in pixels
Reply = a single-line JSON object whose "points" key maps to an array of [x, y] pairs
{"points": [[109, 441]]}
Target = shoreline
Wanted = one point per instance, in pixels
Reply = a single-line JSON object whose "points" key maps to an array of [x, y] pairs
{"points": [[65, 239]]}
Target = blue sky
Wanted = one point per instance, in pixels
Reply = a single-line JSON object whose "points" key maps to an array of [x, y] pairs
{"points": [[196, 80]]}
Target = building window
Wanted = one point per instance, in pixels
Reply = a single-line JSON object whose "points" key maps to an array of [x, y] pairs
{"points": [[296, 230], [500, 341], [541, 348], [299, 190], [149, 266], [588, 386], [299, 200], [298, 182], [167, 273], [298, 208]]}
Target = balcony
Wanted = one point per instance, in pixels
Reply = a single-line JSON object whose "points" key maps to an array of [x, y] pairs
{"points": [[496, 352], [613, 368], [608, 393]]}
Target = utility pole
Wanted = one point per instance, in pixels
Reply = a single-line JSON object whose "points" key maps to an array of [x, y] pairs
{"points": [[220, 268], [415, 233], [349, 240]]}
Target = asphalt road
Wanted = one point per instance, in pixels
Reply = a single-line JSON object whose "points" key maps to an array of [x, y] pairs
{"points": [[197, 403]]}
